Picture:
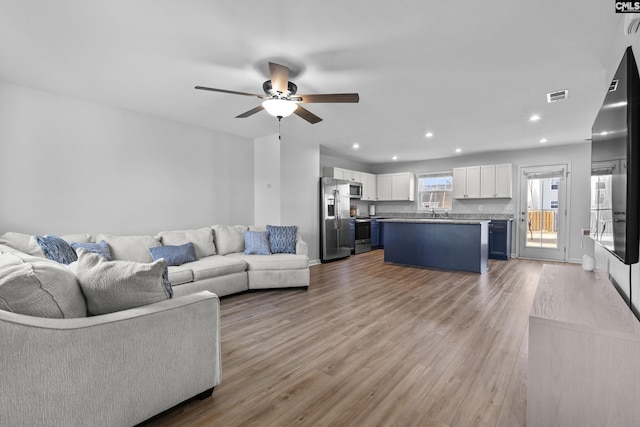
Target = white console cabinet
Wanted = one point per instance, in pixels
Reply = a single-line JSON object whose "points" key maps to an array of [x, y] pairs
{"points": [[584, 352]]}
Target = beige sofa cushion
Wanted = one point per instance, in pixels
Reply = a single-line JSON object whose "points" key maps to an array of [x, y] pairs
{"points": [[273, 262], [201, 238], [23, 242], [229, 238], [215, 266], [77, 238], [130, 248], [27, 243], [179, 274], [38, 287]]}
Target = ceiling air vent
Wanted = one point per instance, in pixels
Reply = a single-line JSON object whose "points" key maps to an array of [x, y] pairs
{"points": [[613, 86], [558, 95]]}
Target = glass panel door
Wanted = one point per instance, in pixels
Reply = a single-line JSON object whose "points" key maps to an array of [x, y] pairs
{"points": [[542, 213]]}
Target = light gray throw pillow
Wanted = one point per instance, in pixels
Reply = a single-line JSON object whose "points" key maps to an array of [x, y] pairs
{"points": [[38, 287], [110, 286]]}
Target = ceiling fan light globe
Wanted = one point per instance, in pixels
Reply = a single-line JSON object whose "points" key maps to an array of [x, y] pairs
{"points": [[279, 107]]}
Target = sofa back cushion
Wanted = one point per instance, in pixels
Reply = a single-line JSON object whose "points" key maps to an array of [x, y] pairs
{"points": [[130, 248], [229, 238], [38, 287], [202, 240], [112, 286], [23, 242]]}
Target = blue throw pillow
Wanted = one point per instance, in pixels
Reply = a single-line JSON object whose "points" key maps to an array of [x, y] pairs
{"points": [[56, 249], [256, 242], [101, 248], [175, 255], [282, 239]]}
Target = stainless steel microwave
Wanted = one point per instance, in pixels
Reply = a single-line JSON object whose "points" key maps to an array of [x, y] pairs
{"points": [[355, 190]]}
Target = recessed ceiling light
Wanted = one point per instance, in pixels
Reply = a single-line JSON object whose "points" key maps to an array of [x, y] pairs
{"points": [[458, 150], [543, 140], [394, 158], [534, 118], [428, 134], [356, 146]]}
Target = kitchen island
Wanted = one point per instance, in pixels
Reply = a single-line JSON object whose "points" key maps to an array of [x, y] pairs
{"points": [[452, 244]]}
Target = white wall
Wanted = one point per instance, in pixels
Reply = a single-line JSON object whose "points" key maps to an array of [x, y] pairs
{"points": [[267, 182], [301, 191], [71, 166]]}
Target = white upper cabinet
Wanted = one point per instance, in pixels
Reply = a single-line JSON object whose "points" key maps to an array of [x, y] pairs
{"points": [[369, 186], [466, 183], [384, 187], [396, 186], [339, 173], [504, 180], [482, 182], [388, 186], [488, 177]]}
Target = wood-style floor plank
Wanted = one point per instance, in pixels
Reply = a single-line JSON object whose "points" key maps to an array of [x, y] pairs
{"points": [[373, 344]]}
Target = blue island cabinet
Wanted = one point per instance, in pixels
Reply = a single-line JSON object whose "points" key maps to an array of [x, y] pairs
{"points": [[377, 239], [450, 245], [500, 239]]}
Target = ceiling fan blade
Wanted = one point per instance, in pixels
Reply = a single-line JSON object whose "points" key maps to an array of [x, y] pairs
{"points": [[250, 112], [279, 77], [307, 115], [233, 92], [328, 97]]}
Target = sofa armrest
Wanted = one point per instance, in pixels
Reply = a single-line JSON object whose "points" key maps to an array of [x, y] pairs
{"points": [[301, 246], [116, 369]]}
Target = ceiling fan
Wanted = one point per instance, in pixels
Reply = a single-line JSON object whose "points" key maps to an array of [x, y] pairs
{"points": [[281, 100]]}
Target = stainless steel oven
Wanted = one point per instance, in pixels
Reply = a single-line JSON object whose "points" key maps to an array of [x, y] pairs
{"points": [[363, 235]]}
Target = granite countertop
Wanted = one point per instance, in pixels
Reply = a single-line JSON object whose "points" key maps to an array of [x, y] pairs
{"points": [[452, 216], [435, 220]]}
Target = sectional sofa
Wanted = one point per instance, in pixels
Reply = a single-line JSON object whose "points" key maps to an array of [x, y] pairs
{"points": [[123, 367], [221, 267]]}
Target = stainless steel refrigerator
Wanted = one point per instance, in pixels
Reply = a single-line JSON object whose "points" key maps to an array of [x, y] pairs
{"points": [[334, 219]]}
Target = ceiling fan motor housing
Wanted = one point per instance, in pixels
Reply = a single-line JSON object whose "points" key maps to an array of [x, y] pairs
{"points": [[268, 89]]}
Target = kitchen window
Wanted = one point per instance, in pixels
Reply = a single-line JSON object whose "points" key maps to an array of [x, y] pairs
{"points": [[434, 190]]}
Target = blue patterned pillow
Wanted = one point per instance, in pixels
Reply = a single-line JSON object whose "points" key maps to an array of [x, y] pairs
{"points": [[100, 248], [174, 255], [282, 238], [256, 242], [56, 249]]}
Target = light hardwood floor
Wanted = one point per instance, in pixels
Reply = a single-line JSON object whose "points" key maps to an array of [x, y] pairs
{"points": [[373, 344]]}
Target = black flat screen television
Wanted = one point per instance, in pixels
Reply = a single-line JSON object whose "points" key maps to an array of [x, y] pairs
{"points": [[615, 165]]}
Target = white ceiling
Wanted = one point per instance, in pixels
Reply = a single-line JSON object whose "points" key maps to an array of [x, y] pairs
{"points": [[471, 72]]}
